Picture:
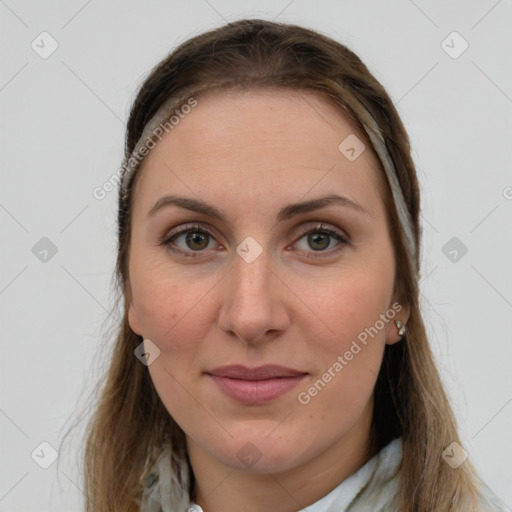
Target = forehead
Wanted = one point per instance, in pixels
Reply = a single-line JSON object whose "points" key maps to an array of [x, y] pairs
{"points": [[261, 142]]}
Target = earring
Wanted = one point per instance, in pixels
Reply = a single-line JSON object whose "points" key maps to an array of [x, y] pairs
{"points": [[401, 328]]}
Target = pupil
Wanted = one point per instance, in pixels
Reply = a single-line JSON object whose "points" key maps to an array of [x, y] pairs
{"points": [[196, 240], [316, 239]]}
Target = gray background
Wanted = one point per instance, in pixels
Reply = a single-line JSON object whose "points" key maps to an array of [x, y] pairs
{"points": [[62, 128]]}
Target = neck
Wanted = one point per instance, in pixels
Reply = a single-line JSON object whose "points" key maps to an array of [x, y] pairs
{"points": [[220, 488]]}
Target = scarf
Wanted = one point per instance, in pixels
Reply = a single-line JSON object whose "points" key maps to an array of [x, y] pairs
{"points": [[370, 488]]}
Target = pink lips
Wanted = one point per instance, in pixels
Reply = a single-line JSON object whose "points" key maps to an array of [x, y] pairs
{"points": [[255, 385]]}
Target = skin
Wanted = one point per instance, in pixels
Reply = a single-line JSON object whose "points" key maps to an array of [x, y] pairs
{"points": [[250, 154]]}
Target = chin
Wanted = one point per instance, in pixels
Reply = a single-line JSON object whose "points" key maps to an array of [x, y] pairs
{"points": [[259, 454]]}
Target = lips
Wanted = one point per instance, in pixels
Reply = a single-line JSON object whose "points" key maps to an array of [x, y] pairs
{"points": [[255, 385], [269, 371]]}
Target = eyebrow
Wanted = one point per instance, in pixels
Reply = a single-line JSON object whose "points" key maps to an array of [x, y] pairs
{"points": [[287, 212]]}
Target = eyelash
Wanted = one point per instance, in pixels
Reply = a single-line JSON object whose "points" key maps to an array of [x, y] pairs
{"points": [[320, 228]]}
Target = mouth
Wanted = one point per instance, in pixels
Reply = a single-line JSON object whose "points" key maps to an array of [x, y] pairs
{"points": [[253, 386]]}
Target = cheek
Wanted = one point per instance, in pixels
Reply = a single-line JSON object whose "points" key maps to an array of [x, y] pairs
{"points": [[350, 306], [176, 318], [353, 317], [171, 310]]}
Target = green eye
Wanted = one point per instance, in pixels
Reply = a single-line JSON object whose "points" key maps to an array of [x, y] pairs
{"points": [[319, 239], [194, 240]]}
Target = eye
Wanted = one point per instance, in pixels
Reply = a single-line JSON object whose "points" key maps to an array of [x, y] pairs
{"points": [[320, 238], [189, 241]]}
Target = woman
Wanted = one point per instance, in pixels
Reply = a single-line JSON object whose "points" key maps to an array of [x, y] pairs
{"points": [[272, 354]]}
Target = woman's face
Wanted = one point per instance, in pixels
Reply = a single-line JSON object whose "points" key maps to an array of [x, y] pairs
{"points": [[263, 271]]}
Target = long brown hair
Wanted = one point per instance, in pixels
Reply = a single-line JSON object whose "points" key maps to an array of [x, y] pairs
{"points": [[130, 424]]}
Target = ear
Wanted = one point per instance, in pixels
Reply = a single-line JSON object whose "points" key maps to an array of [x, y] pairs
{"points": [[402, 313], [133, 317]]}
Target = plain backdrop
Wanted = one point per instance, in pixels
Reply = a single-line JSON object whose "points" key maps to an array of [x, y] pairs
{"points": [[62, 127]]}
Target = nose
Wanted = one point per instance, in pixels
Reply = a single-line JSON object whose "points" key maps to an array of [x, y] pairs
{"points": [[253, 308]]}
